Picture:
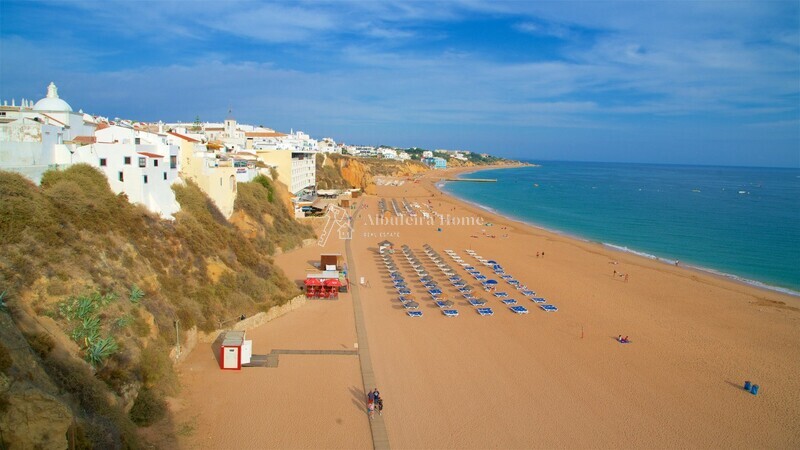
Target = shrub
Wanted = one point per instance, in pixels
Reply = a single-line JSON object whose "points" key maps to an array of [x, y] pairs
{"points": [[157, 368], [41, 343], [148, 408], [5, 358]]}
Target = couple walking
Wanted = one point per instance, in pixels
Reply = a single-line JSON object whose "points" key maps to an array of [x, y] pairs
{"points": [[374, 401]]}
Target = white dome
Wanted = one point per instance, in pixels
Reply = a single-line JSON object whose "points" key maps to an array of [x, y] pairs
{"points": [[52, 102]]}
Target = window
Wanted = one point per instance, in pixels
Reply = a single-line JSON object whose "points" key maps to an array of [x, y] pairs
{"points": [[145, 179], [173, 162], [102, 162], [127, 160], [142, 162], [121, 176], [165, 175], [155, 163], [137, 141]]}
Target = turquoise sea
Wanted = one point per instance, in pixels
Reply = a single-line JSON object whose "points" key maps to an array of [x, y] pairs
{"points": [[741, 222]]}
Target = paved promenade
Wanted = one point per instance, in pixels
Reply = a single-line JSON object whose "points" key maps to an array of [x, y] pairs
{"points": [[380, 439]]}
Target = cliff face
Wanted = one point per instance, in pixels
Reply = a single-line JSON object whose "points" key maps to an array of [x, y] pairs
{"points": [[360, 172], [91, 287]]}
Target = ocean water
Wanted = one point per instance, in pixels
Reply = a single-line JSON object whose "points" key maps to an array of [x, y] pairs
{"points": [[741, 222]]}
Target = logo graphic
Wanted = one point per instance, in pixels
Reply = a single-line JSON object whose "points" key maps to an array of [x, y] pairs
{"points": [[339, 219]]}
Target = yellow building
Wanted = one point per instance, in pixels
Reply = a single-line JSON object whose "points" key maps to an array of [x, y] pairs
{"points": [[216, 178], [296, 168]]}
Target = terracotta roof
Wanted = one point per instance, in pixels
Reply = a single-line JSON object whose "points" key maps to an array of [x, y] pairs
{"points": [[185, 138], [102, 126], [263, 134], [84, 140], [214, 129], [150, 155]]}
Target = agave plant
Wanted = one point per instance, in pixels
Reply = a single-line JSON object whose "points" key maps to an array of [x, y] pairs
{"points": [[100, 349], [136, 294], [84, 307]]}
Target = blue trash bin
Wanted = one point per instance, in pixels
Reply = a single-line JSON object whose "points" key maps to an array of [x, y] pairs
{"points": [[754, 389], [746, 385]]}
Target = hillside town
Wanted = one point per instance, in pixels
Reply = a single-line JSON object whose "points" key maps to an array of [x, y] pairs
{"points": [[143, 160]]}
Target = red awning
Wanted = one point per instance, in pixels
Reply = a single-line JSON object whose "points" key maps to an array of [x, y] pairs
{"points": [[334, 282], [313, 282]]}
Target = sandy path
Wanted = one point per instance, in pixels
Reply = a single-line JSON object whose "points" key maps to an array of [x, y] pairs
{"points": [[308, 401]]}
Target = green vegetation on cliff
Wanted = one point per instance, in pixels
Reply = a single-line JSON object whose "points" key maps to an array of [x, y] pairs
{"points": [[94, 285]]}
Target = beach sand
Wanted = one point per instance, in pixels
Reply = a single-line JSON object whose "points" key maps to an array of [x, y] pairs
{"points": [[514, 381]]}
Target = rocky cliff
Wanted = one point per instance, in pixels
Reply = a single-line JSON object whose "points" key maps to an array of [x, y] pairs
{"points": [[338, 171]]}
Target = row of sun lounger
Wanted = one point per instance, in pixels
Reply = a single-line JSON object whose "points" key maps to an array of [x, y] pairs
{"points": [[491, 284], [437, 294]]}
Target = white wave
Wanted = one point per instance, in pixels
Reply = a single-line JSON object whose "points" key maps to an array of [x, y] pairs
{"points": [[671, 262]]}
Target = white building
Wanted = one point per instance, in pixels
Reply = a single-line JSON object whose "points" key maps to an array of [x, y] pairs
{"points": [[140, 164], [387, 153], [427, 154], [41, 136], [328, 145]]}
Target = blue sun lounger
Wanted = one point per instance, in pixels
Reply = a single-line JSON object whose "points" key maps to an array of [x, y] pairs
{"points": [[450, 312], [402, 291], [414, 313], [411, 305], [528, 293], [509, 301], [549, 308], [444, 304], [476, 302], [519, 309], [485, 311], [501, 294], [538, 299]]}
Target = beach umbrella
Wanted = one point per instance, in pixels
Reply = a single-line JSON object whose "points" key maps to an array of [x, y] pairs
{"points": [[491, 282], [332, 282], [491, 261], [313, 282]]}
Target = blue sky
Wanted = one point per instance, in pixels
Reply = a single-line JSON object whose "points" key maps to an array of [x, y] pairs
{"points": [[668, 82]]}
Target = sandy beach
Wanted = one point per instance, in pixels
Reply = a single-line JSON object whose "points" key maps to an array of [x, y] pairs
{"points": [[538, 380]]}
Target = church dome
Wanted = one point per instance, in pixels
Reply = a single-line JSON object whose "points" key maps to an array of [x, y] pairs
{"points": [[52, 102]]}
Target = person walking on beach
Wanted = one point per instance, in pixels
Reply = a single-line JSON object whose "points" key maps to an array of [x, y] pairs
{"points": [[371, 403], [376, 396]]}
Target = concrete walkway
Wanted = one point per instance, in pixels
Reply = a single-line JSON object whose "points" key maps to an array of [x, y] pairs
{"points": [[380, 439]]}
